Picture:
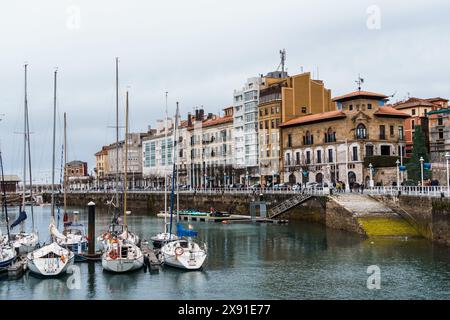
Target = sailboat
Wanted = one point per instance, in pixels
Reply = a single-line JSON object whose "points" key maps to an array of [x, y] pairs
{"points": [[122, 253], [182, 253], [115, 228], [25, 242], [52, 259], [74, 233], [8, 254], [162, 238]]}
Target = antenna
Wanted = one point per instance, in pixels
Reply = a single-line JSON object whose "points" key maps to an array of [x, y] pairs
{"points": [[283, 60], [359, 82]]}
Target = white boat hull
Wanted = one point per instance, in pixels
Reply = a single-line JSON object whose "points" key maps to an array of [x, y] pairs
{"points": [[40, 262], [25, 242], [122, 265], [191, 258]]}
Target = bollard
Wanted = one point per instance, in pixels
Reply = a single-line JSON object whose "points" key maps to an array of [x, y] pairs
{"points": [[91, 228]]}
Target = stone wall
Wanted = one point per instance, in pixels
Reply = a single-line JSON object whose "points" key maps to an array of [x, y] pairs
{"points": [[430, 216], [337, 217]]}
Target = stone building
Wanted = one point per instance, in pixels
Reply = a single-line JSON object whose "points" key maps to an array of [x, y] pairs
{"points": [[101, 163], [77, 169], [332, 146], [281, 99], [439, 128]]}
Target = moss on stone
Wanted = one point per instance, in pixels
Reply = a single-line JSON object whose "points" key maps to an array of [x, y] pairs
{"points": [[387, 227]]}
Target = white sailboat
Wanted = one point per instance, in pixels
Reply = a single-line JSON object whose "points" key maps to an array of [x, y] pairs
{"points": [[162, 238], [7, 252], [52, 259], [25, 242], [115, 228], [122, 253], [182, 253], [74, 234]]}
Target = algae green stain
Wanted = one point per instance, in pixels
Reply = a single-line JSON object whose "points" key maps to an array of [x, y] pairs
{"points": [[387, 227]]}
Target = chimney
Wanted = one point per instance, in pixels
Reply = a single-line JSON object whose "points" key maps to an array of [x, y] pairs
{"points": [[210, 116], [189, 119], [196, 115], [201, 114]]}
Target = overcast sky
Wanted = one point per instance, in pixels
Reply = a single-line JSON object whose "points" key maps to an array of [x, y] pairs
{"points": [[199, 51]]}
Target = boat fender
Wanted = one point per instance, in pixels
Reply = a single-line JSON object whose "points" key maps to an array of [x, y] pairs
{"points": [[179, 251]]}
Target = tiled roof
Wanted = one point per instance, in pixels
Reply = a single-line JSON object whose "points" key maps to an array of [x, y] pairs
{"points": [[413, 102], [324, 116], [389, 111], [362, 94], [217, 121]]}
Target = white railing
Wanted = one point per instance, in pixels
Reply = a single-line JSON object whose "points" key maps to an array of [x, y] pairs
{"points": [[434, 191]]}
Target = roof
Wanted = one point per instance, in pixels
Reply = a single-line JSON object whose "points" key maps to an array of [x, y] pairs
{"points": [[324, 116], [76, 163], [216, 121], [446, 110], [437, 99], [11, 178], [360, 95], [390, 112], [413, 102]]}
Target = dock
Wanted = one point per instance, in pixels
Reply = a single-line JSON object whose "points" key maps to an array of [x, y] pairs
{"points": [[150, 260], [224, 219], [17, 269]]}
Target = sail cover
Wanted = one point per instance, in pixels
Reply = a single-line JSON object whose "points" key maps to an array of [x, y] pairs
{"points": [[22, 217], [55, 232], [181, 232]]}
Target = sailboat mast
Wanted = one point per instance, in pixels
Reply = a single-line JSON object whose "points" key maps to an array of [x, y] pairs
{"points": [[126, 164], [165, 171], [24, 140], [29, 154], [176, 165], [65, 163], [117, 135], [172, 194], [54, 141], [5, 205]]}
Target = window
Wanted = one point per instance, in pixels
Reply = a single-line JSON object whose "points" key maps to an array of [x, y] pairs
{"points": [[391, 130], [272, 123], [361, 132], [260, 112], [319, 156], [350, 107], [330, 155], [330, 136], [261, 126], [308, 139], [369, 150], [288, 159], [412, 125], [308, 157], [289, 142], [297, 158], [382, 132], [385, 150], [304, 109], [440, 121], [425, 112], [413, 112], [272, 110], [266, 124], [400, 133], [266, 111], [355, 154], [369, 106], [441, 134]]}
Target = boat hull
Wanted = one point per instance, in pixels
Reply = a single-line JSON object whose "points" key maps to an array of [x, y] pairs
{"points": [[121, 265], [7, 263], [189, 259], [50, 261]]}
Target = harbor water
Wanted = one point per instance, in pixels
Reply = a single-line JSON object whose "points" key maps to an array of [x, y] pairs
{"points": [[253, 261]]}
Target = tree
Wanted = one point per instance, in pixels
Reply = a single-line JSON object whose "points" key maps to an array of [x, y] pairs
{"points": [[419, 150]]}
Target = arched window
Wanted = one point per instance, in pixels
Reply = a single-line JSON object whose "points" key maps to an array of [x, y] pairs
{"points": [[330, 136], [308, 138], [361, 132]]}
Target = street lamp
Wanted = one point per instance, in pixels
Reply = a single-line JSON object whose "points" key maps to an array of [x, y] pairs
{"points": [[447, 156], [421, 170], [398, 173], [371, 175]]}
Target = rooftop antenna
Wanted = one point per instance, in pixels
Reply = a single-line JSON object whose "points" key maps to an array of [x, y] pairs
{"points": [[359, 82]]}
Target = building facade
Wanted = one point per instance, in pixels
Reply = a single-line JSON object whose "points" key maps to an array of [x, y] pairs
{"points": [[210, 150], [439, 128], [333, 146], [245, 123], [102, 163], [281, 99]]}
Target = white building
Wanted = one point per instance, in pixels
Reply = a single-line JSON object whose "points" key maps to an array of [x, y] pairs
{"points": [[245, 125]]}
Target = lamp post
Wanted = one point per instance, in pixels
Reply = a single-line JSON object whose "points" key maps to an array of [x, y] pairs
{"points": [[273, 178], [447, 157], [347, 186], [398, 173], [371, 175], [421, 171]]}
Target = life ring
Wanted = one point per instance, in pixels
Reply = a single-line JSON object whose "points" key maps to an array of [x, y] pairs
{"points": [[179, 251], [113, 254]]}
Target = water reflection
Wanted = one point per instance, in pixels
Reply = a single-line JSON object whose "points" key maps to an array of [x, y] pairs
{"points": [[257, 261]]}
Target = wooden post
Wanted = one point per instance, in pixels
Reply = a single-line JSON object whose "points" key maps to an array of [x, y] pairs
{"points": [[91, 228]]}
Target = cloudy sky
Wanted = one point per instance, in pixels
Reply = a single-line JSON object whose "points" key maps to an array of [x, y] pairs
{"points": [[199, 51]]}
